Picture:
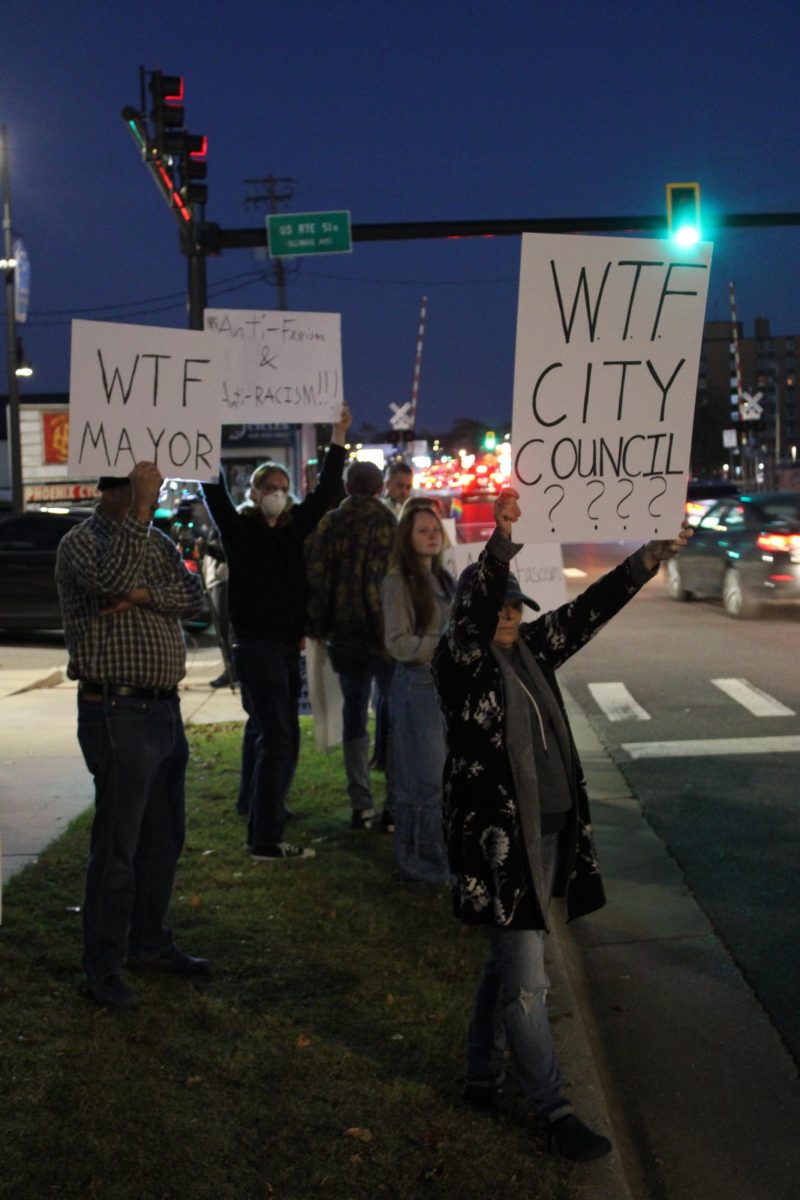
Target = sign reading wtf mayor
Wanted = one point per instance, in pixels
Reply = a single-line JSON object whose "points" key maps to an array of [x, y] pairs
{"points": [[608, 345], [141, 393]]}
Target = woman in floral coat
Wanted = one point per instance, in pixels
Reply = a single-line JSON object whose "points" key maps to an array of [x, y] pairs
{"points": [[516, 810]]}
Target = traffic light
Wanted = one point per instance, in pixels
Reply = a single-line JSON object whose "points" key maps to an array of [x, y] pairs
{"points": [[167, 111], [490, 440], [193, 169], [683, 213]]}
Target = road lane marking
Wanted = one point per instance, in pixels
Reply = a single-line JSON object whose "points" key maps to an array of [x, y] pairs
{"points": [[712, 747], [752, 698], [617, 703]]}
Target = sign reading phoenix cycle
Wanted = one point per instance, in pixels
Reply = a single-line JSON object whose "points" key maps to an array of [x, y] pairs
{"points": [[608, 345]]}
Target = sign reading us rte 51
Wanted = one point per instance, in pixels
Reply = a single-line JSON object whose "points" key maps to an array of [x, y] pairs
{"points": [[290, 234]]}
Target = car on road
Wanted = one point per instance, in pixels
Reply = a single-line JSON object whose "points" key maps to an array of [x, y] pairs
{"points": [[702, 494], [28, 545], [745, 551]]}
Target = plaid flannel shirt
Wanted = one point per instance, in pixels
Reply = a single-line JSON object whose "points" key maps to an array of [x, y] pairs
{"points": [[100, 562]]}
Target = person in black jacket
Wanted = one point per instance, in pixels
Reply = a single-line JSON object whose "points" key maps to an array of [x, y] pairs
{"points": [[263, 543], [516, 811]]}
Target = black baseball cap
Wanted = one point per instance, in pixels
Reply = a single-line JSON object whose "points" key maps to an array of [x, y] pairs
{"points": [[515, 595], [111, 481]]}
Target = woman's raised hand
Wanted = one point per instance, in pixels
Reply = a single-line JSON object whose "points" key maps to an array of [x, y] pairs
{"points": [[506, 510]]}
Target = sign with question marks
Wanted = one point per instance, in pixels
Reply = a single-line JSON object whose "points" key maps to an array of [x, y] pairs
{"points": [[605, 375]]}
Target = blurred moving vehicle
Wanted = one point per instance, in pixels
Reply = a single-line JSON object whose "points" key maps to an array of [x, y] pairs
{"points": [[702, 495], [746, 551], [28, 545]]}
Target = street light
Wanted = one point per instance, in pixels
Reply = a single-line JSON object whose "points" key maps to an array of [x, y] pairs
{"points": [[9, 268], [24, 368]]}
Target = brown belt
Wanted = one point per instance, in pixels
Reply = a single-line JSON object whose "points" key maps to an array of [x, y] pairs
{"points": [[90, 689]]}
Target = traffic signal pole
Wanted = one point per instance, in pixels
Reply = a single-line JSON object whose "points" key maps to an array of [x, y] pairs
{"points": [[197, 290], [215, 239]]}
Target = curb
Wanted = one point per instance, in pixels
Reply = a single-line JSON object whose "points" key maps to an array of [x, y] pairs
{"points": [[53, 679], [605, 1179]]}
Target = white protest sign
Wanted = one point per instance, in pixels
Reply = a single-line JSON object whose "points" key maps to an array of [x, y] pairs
{"points": [[605, 374], [142, 393], [279, 366], [539, 569]]}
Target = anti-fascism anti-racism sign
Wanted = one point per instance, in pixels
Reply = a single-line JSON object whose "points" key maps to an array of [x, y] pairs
{"points": [[608, 345], [141, 393], [279, 366]]}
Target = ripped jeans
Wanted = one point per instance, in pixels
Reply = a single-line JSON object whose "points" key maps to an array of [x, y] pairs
{"points": [[510, 1010]]}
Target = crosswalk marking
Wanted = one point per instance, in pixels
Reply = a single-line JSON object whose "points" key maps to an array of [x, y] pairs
{"points": [[752, 698], [617, 703], [713, 746]]}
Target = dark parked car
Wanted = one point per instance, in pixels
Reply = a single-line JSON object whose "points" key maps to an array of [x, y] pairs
{"points": [[28, 544], [745, 550]]}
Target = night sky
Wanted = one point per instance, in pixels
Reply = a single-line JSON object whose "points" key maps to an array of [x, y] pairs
{"points": [[399, 112]]}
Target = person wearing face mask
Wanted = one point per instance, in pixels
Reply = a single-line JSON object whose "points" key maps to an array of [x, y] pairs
{"points": [[263, 542]]}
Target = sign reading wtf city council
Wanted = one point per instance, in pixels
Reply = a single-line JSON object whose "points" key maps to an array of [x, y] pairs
{"points": [[605, 374]]}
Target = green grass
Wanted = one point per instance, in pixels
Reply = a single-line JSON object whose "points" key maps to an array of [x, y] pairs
{"points": [[322, 1059]]}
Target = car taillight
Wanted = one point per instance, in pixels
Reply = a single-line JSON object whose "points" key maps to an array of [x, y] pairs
{"points": [[777, 542]]}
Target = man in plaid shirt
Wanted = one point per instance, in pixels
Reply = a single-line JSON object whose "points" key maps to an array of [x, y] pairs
{"points": [[124, 589]]}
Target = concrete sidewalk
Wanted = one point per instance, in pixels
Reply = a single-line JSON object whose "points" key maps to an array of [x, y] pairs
{"points": [[44, 783]]}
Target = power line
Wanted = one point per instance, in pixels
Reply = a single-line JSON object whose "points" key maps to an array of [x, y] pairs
{"points": [[65, 312], [248, 278]]}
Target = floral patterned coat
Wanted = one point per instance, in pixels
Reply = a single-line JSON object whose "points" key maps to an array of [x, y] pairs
{"points": [[490, 861]]}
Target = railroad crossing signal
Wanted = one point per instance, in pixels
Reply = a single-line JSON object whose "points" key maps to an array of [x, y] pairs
{"points": [[751, 409], [401, 417]]}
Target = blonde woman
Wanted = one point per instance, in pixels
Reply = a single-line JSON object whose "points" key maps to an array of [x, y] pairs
{"points": [[417, 594]]}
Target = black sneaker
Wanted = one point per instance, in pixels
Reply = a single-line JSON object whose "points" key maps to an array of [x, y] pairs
{"points": [[387, 821], [173, 959], [280, 851], [223, 680], [109, 991], [362, 818], [570, 1138]]}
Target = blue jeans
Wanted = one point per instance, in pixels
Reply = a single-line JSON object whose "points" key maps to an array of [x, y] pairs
{"points": [[356, 670], [269, 676], [511, 1009], [137, 752], [419, 750]]}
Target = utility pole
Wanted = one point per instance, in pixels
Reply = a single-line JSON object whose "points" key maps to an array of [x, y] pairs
{"points": [[12, 417], [277, 192]]}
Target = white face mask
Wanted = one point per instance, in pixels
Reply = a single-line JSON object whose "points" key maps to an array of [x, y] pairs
{"points": [[274, 504]]}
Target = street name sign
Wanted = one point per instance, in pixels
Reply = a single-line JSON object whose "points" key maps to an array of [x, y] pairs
{"points": [[291, 234]]}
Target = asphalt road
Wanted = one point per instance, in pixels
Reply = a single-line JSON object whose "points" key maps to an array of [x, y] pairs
{"points": [[730, 819]]}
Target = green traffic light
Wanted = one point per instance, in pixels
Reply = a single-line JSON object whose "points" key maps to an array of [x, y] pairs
{"points": [[686, 235], [683, 213]]}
